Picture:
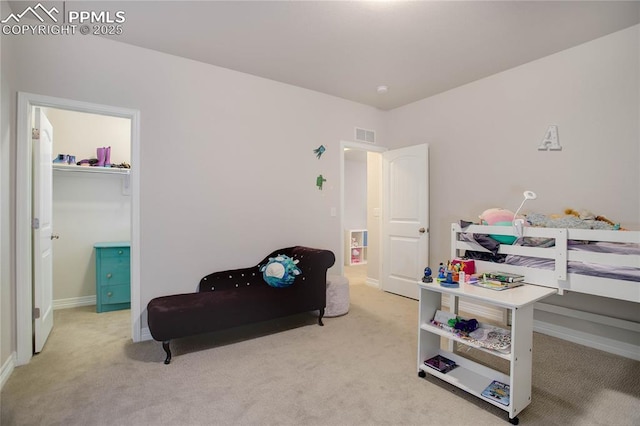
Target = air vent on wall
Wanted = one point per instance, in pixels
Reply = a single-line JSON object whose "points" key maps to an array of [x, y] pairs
{"points": [[364, 135]]}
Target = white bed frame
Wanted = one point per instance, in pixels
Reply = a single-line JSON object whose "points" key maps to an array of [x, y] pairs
{"points": [[559, 277]]}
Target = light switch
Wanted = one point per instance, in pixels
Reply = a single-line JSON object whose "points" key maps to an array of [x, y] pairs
{"points": [[333, 213]]}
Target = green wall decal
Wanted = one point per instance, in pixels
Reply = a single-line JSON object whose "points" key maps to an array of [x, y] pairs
{"points": [[320, 181]]}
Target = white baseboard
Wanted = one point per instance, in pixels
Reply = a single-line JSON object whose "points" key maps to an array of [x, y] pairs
{"points": [[7, 368], [74, 302], [616, 347], [372, 282], [587, 316]]}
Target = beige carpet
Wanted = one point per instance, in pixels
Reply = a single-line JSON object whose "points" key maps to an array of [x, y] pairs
{"points": [[359, 369]]}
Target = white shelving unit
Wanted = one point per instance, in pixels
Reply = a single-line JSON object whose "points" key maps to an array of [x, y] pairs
{"points": [[81, 169], [355, 250], [471, 376], [70, 168]]}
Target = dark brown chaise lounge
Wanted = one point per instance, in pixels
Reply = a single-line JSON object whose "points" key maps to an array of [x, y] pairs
{"points": [[238, 297]]}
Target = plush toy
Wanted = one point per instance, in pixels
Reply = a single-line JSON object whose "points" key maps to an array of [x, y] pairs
{"points": [[499, 217], [582, 214], [587, 215], [280, 271]]}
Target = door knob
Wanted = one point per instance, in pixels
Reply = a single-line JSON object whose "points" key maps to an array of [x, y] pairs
{"points": [[422, 230], [55, 237]]}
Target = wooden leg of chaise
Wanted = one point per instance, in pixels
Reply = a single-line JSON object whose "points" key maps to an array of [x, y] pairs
{"points": [[320, 317], [165, 346]]}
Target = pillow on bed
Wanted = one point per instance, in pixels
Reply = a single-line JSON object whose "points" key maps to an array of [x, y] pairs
{"points": [[499, 217], [280, 271]]}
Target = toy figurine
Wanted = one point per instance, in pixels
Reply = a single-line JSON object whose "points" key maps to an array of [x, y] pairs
{"points": [[427, 275], [449, 281], [441, 271]]}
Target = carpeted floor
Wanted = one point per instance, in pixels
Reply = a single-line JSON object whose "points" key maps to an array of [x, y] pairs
{"points": [[359, 369]]}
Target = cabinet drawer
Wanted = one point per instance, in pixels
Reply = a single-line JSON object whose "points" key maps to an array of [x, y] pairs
{"points": [[114, 274], [110, 252], [115, 294]]}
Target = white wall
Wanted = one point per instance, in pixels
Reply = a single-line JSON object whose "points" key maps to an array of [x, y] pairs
{"points": [[80, 134], [87, 208], [483, 139], [7, 198], [227, 169], [355, 190], [374, 208]]}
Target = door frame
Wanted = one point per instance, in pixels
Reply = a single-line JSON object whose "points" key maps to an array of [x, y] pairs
{"points": [[360, 147], [24, 188]]}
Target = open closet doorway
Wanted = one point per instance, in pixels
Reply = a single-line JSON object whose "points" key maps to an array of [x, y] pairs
{"points": [[109, 192], [91, 205], [361, 202]]}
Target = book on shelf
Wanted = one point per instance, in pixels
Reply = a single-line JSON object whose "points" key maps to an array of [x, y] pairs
{"points": [[504, 277], [491, 337], [494, 284], [441, 364], [497, 391]]}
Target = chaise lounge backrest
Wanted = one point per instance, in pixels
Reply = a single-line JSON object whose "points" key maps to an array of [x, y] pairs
{"points": [[307, 293]]}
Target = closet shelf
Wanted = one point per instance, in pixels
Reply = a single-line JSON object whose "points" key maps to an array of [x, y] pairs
{"points": [[81, 169]]}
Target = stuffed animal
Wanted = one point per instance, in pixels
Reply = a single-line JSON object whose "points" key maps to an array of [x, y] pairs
{"points": [[280, 271], [587, 215], [498, 217], [582, 214]]}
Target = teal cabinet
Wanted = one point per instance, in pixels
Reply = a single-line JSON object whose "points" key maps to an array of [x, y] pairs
{"points": [[113, 276]]}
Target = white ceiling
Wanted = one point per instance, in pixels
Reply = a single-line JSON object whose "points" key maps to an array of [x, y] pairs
{"points": [[348, 49]]}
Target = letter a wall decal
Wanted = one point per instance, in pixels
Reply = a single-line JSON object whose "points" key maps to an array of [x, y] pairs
{"points": [[551, 140]]}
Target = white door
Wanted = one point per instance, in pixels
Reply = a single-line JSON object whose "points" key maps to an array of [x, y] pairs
{"points": [[405, 229], [42, 229]]}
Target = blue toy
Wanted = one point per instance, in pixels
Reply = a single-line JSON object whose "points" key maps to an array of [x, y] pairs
{"points": [[449, 282], [280, 271], [441, 271], [427, 275]]}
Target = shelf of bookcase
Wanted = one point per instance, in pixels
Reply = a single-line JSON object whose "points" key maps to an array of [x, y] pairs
{"points": [[446, 334], [83, 169], [472, 376], [469, 376], [361, 237]]}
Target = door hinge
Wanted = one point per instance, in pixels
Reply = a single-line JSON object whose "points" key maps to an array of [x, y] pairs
{"points": [[36, 313], [35, 224], [35, 133]]}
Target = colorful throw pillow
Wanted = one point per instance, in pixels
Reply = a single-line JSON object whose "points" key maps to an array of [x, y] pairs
{"points": [[280, 271], [499, 217]]}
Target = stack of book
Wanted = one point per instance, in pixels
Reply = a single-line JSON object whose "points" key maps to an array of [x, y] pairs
{"points": [[441, 364], [497, 391], [499, 280]]}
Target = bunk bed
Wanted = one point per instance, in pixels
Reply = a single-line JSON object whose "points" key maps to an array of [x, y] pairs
{"points": [[598, 262]]}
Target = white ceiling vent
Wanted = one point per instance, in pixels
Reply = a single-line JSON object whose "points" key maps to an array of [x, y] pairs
{"points": [[364, 135]]}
